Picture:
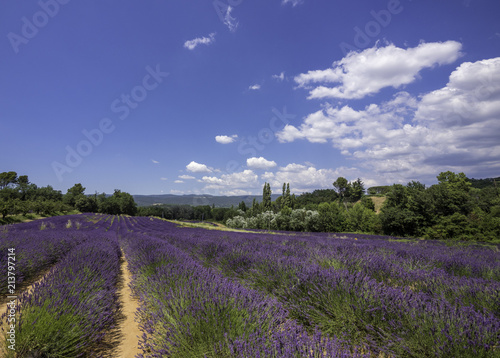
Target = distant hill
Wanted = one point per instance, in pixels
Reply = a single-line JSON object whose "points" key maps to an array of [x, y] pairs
{"points": [[196, 200]]}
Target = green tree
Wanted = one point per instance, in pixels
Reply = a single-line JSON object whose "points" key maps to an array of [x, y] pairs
{"points": [[342, 187], [451, 194], [368, 203], [242, 206], [357, 190], [361, 219], [48, 193], [126, 202], [397, 216], [23, 185], [74, 193], [6, 207], [285, 200], [379, 190], [266, 197], [288, 198], [311, 200], [7, 178], [332, 217], [255, 209], [86, 204]]}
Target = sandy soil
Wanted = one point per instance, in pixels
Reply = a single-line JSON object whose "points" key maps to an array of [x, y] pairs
{"points": [[123, 342], [129, 329]]}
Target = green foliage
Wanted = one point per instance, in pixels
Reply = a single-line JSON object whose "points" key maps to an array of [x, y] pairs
{"points": [[118, 203], [357, 190], [342, 187], [448, 210], [485, 183], [86, 204], [242, 206], [266, 197], [19, 196], [332, 217], [349, 191], [379, 190], [7, 178], [361, 219], [368, 203], [312, 200], [74, 193], [187, 212]]}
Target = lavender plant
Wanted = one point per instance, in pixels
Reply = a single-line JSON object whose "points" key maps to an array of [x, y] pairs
{"points": [[69, 312]]}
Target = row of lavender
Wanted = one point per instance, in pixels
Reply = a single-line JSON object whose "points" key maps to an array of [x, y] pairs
{"points": [[471, 261], [424, 264], [41, 243], [69, 311], [397, 297], [188, 310], [463, 276]]}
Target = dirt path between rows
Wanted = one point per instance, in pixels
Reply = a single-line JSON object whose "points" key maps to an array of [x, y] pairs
{"points": [[123, 342], [129, 329]]}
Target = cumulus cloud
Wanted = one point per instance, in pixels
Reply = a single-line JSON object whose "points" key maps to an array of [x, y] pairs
{"points": [[155, 161], [260, 163], [163, 179], [364, 73], [254, 87], [242, 182], [303, 178], [178, 182], [224, 139], [186, 177], [192, 44], [198, 168], [453, 128]]}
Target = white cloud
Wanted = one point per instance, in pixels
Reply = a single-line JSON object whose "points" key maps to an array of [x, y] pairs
{"points": [[186, 177], [230, 183], [155, 161], [163, 179], [279, 77], [304, 178], [292, 2], [229, 21], [260, 163], [254, 87], [224, 139], [198, 168], [178, 182], [453, 128], [364, 73], [192, 44]]}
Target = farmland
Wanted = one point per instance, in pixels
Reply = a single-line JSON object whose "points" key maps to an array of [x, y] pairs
{"points": [[213, 293]]}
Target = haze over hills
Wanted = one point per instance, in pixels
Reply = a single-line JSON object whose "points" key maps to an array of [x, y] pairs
{"points": [[196, 200]]}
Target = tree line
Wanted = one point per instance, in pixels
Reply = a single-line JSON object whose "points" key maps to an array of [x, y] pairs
{"points": [[18, 196], [455, 208]]}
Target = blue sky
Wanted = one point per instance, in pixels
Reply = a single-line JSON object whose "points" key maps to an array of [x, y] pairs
{"points": [[220, 96]]}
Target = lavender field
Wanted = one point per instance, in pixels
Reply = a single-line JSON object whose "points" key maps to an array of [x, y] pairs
{"points": [[213, 293]]}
